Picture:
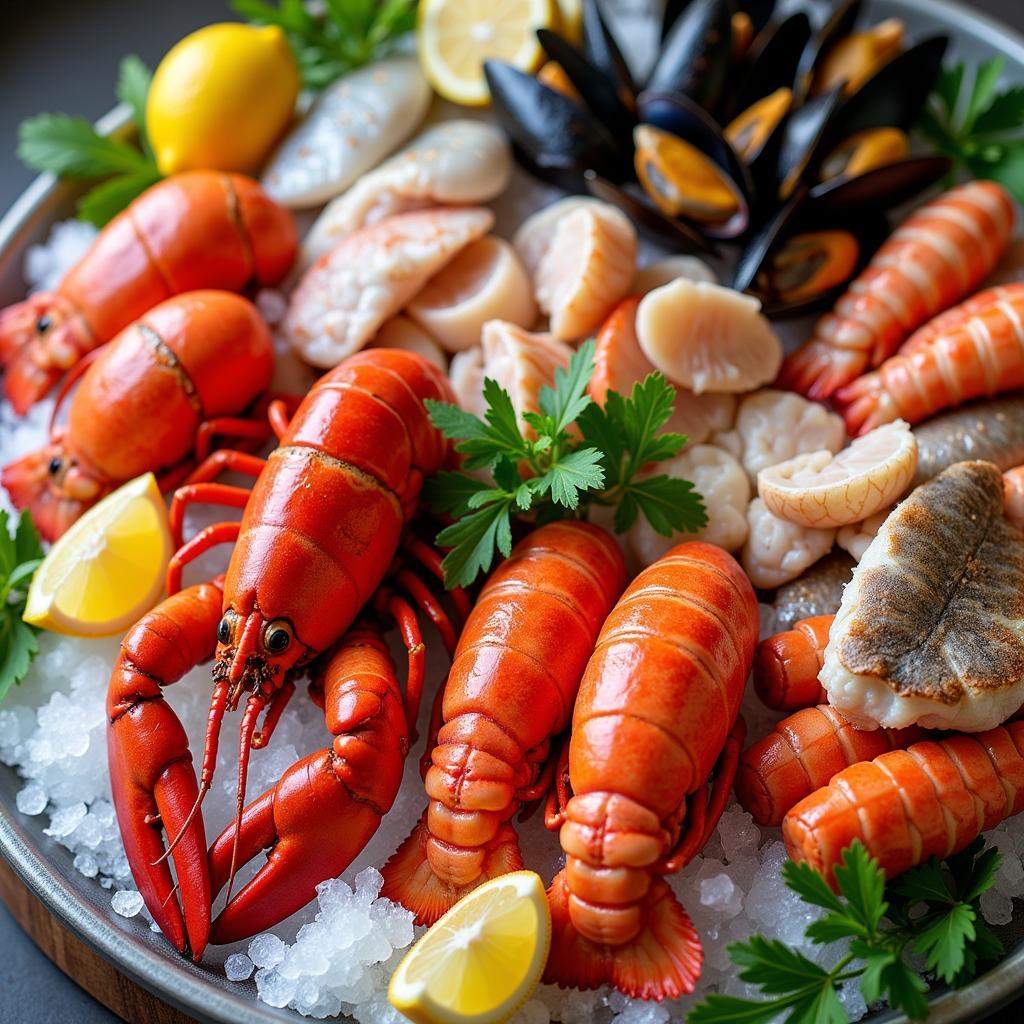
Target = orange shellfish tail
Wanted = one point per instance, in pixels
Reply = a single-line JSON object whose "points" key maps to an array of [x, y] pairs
{"points": [[786, 665], [932, 799], [934, 258], [979, 353], [655, 712], [511, 688]]}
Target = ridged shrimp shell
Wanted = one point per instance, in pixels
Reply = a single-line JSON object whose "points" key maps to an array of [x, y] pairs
{"points": [[581, 257], [347, 295], [777, 550], [456, 162], [726, 492], [822, 489]]}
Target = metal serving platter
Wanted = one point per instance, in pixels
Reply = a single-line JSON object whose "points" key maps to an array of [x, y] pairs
{"points": [[205, 994]]}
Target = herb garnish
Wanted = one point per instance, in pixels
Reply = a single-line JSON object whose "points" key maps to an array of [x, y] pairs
{"points": [[349, 33], [72, 148], [932, 910], [978, 128], [557, 472], [20, 556]]}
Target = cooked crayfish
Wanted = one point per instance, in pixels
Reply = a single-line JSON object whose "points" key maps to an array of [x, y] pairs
{"points": [[201, 229], [513, 680], [658, 708], [786, 665], [153, 399], [321, 527]]}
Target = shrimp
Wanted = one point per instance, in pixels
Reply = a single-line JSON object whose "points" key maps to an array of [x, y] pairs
{"points": [[345, 297], [981, 355], [935, 257], [956, 317]]}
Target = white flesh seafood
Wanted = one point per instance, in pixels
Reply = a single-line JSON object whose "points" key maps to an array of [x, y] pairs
{"points": [[354, 124], [401, 332], [726, 491], [466, 375], [857, 537], [346, 296], [708, 338], [931, 628], [773, 426], [484, 282], [821, 489], [777, 550], [582, 262], [654, 275], [453, 163]]}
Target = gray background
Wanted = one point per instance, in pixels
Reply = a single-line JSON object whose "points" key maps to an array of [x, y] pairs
{"points": [[61, 55]]}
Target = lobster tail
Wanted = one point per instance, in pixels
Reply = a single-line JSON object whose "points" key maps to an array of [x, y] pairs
{"points": [[662, 961]]}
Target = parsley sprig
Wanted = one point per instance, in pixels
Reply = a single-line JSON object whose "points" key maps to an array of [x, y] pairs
{"points": [[574, 456], [347, 35], [20, 556], [72, 148], [932, 910], [980, 128]]}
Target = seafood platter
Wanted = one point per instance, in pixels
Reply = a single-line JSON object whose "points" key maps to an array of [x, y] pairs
{"points": [[580, 449]]}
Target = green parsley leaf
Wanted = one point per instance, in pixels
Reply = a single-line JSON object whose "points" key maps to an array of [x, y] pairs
{"points": [[983, 91], [578, 471], [810, 886], [669, 504], [451, 492], [821, 1006], [944, 940], [948, 86], [773, 966], [1004, 114], [719, 1009], [72, 148], [20, 556], [133, 80], [564, 403], [905, 989], [925, 882], [473, 540], [862, 882], [105, 201]]}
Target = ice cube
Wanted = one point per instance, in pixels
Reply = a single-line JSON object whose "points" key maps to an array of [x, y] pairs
{"points": [[31, 798], [238, 967], [126, 902], [266, 950]]}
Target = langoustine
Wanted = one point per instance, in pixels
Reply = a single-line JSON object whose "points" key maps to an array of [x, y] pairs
{"points": [[322, 525], [199, 229], [510, 691], [154, 399], [976, 353], [939, 254], [657, 709]]}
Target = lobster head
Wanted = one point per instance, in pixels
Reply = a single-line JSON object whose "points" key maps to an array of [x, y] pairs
{"points": [[54, 485]]}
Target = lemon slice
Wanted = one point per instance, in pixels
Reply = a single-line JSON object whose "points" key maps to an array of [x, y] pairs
{"points": [[457, 36], [824, 490], [482, 960], [108, 569]]}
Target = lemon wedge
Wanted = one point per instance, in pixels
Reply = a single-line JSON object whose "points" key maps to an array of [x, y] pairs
{"points": [[456, 36], [482, 960], [108, 569]]}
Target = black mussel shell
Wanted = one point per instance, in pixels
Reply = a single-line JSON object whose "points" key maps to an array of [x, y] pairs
{"points": [[554, 133], [775, 55], [648, 218], [602, 50], [696, 54], [839, 24], [597, 90], [801, 141], [759, 11], [883, 187], [753, 253]]}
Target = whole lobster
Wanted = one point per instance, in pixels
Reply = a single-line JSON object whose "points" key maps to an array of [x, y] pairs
{"points": [[321, 527], [200, 229], [658, 707], [159, 392], [511, 688]]}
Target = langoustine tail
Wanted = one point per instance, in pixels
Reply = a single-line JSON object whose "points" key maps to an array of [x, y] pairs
{"points": [[818, 369]]}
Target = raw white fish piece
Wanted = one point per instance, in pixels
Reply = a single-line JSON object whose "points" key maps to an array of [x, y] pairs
{"points": [[352, 126], [654, 275], [346, 296], [455, 162], [401, 332], [777, 550], [484, 282]]}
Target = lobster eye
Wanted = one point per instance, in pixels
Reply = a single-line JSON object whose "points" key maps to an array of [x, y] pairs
{"points": [[277, 636], [43, 323], [224, 630], [55, 466]]}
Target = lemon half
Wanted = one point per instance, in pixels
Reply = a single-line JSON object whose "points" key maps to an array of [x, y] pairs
{"points": [[108, 569], [482, 960]]}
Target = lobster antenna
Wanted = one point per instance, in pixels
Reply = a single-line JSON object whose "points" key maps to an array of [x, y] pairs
{"points": [[252, 713], [218, 705]]}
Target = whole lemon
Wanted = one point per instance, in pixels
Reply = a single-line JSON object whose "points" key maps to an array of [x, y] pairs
{"points": [[221, 98]]}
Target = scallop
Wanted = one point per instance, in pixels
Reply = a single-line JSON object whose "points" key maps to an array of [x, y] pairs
{"points": [[726, 491], [354, 124], [401, 332], [346, 296], [484, 282], [708, 338], [823, 489], [777, 550], [931, 629], [455, 162], [654, 275]]}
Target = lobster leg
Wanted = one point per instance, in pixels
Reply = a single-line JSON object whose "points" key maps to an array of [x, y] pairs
{"points": [[218, 533], [326, 807], [225, 495], [224, 460], [154, 784]]}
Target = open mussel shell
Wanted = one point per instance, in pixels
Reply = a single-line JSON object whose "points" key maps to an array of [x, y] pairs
{"points": [[839, 24], [552, 134], [602, 50], [773, 62], [597, 90], [800, 142], [882, 187], [696, 54], [647, 217]]}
